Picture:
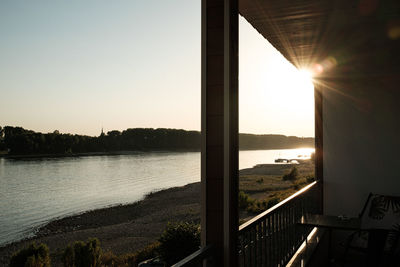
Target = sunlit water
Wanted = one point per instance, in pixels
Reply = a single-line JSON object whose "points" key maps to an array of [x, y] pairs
{"points": [[34, 192]]}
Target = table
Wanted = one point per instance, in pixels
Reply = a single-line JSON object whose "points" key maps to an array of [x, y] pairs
{"points": [[331, 223]]}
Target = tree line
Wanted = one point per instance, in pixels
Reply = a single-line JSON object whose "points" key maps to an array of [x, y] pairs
{"points": [[19, 141]]}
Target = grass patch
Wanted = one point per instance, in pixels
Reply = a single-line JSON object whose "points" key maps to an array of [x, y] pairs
{"points": [[263, 187], [130, 259]]}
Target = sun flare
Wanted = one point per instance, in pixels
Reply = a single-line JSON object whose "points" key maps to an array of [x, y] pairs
{"points": [[305, 75], [275, 96]]}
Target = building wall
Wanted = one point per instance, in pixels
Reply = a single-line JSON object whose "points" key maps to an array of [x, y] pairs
{"points": [[361, 125]]}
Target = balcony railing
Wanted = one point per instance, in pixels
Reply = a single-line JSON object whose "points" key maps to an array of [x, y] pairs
{"points": [[273, 237]]}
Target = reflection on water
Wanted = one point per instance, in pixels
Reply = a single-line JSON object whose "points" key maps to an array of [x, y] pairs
{"points": [[33, 192]]}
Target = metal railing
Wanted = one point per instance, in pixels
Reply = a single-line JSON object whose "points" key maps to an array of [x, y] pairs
{"points": [[273, 237]]}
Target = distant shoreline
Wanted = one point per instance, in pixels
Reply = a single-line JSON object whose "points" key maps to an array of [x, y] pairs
{"points": [[119, 153], [18, 142], [88, 154]]}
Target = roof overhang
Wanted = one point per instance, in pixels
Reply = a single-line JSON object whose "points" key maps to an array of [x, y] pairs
{"points": [[361, 36]]}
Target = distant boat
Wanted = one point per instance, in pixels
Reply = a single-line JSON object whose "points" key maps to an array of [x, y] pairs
{"points": [[280, 160]]}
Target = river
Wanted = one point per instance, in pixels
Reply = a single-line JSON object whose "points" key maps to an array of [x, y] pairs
{"points": [[34, 192]]}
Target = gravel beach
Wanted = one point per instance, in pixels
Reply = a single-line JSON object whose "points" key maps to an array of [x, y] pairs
{"points": [[127, 228], [120, 229]]}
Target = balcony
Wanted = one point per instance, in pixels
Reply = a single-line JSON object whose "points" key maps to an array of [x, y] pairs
{"points": [[278, 237], [273, 237], [353, 46]]}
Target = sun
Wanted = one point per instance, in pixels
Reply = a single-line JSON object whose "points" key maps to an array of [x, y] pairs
{"points": [[306, 76]]}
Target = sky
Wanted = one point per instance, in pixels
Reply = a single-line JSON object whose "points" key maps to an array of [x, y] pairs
{"points": [[80, 66]]}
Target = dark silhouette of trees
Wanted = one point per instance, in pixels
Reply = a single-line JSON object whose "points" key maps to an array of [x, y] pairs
{"points": [[19, 141], [273, 141], [2, 144]]}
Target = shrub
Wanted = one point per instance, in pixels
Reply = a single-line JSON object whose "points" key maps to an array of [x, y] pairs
{"points": [[82, 254], [178, 241], [244, 200], [109, 259], [147, 252], [292, 175], [260, 181], [260, 206], [310, 179], [32, 256], [273, 201], [255, 208], [130, 259]]}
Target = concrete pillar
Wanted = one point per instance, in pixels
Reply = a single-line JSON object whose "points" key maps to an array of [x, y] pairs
{"points": [[319, 141], [219, 126]]}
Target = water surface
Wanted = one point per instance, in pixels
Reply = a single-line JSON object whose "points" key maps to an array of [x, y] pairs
{"points": [[34, 192]]}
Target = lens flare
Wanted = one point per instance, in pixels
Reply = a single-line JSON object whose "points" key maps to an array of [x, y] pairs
{"points": [[318, 69], [327, 64], [393, 29]]}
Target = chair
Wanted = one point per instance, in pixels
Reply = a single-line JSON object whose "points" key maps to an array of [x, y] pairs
{"points": [[393, 241], [380, 218]]}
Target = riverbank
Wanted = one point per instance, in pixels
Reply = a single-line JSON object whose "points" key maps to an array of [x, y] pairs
{"points": [[120, 229], [127, 228]]}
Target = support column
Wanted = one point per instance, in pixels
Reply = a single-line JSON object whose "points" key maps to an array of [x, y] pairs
{"points": [[219, 126], [319, 141], [212, 125], [231, 131]]}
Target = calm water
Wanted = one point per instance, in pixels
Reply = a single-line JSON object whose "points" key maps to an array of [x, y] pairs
{"points": [[33, 192]]}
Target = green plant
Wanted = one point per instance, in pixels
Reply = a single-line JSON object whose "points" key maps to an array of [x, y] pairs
{"points": [[82, 254], [310, 179], [273, 201], [178, 241], [109, 259], [32, 256], [147, 252], [244, 200], [292, 175]]}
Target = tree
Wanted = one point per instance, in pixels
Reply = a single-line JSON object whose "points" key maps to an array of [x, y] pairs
{"points": [[178, 241]]}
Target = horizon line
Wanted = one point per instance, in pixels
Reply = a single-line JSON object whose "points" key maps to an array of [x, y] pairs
{"points": [[188, 130]]}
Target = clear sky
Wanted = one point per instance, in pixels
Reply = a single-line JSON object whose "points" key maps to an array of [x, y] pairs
{"points": [[80, 65]]}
